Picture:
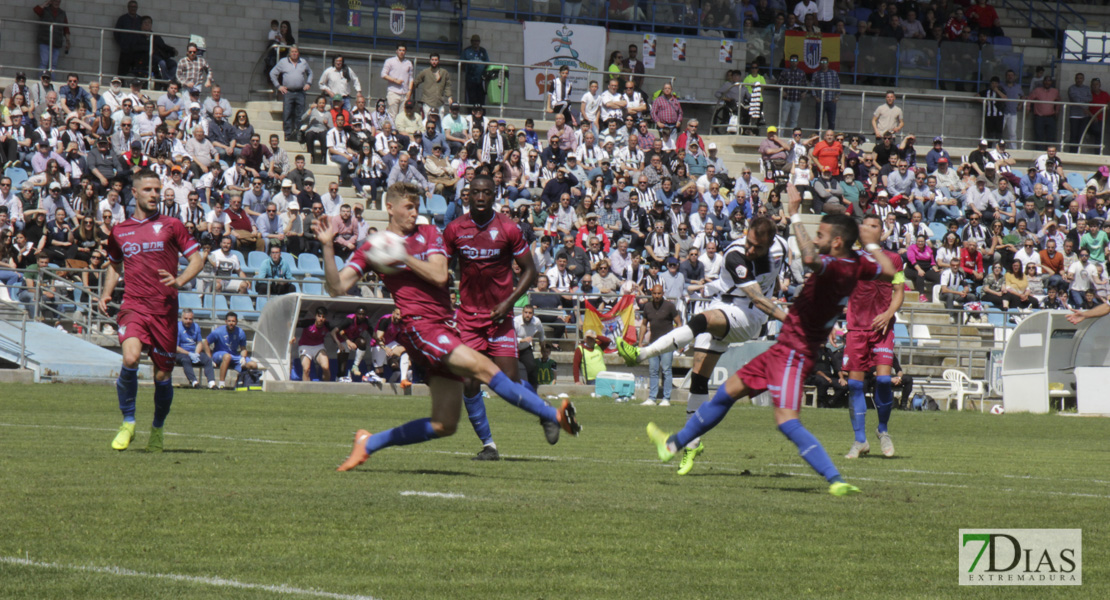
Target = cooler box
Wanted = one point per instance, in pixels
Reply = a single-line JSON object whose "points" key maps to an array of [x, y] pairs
{"points": [[612, 383]]}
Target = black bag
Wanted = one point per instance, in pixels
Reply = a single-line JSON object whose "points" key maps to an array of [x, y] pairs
{"points": [[249, 380]]}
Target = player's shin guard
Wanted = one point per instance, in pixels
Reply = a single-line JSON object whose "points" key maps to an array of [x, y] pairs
{"points": [[521, 396], [405, 366], [707, 417], [810, 449], [884, 399], [359, 354], [476, 410], [699, 394], [163, 398], [412, 432], [677, 338], [857, 409], [127, 387]]}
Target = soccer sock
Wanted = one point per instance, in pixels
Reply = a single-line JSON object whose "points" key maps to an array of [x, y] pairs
{"points": [[884, 400], [699, 394], [163, 398], [405, 366], [127, 387], [476, 410], [677, 338], [521, 397], [810, 449], [359, 354], [705, 418], [412, 432], [857, 409]]}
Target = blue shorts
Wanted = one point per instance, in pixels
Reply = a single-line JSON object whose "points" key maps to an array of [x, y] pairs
{"points": [[236, 359]]}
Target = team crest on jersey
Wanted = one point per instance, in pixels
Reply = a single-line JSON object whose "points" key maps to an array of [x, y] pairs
{"points": [[493, 234], [157, 228], [443, 339], [123, 331], [741, 271], [420, 238]]}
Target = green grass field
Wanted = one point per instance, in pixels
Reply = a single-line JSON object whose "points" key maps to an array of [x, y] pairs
{"points": [[245, 500]]}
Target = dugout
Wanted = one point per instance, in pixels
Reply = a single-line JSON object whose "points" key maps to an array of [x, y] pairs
{"points": [[278, 324], [1048, 358]]}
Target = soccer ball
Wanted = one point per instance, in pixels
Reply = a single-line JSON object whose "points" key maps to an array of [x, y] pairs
{"points": [[997, 409], [385, 250]]}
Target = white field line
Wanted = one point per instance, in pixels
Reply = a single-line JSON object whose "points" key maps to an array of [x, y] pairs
{"points": [[719, 465], [212, 581], [431, 494]]}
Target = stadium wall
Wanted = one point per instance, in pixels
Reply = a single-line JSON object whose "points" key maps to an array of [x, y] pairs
{"points": [[235, 32], [505, 43]]}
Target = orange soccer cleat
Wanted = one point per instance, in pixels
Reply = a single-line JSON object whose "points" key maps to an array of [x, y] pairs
{"points": [[567, 418], [358, 451]]}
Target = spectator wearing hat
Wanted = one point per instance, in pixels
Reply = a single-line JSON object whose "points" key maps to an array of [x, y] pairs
{"points": [[934, 155], [292, 225], [51, 41]]}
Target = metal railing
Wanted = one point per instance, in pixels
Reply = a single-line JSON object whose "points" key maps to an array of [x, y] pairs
{"points": [[10, 313], [673, 18], [960, 131], [99, 73], [458, 65], [1049, 19]]}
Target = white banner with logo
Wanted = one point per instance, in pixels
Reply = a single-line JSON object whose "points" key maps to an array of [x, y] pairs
{"points": [[548, 46]]}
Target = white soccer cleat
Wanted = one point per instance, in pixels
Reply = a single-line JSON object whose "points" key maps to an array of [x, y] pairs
{"points": [[648, 402], [858, 449]]}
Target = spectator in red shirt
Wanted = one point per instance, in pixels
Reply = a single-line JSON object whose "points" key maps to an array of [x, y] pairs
{"points": [[971, 261], [986, 17], [830, 153], [1101, 98], [956, 25], [242, 227]]}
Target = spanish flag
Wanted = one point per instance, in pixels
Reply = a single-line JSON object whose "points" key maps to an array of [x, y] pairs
{"points": [[811, 47], [614, 324]]}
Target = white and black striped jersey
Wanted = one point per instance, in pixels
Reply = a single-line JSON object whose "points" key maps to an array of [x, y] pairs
{"points": [[739, 271]]}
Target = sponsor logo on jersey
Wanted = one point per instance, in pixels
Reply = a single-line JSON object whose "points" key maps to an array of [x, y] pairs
{"points": [[131, 249], [479, 253]]}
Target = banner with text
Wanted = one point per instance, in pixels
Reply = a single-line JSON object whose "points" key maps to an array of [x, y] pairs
{"points": [[548, 46]]}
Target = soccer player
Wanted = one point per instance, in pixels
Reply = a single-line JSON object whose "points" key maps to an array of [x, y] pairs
{"points": [[310, 347], [419, 290], [870, 343], [752, 266], [386, 348], [486, 244], [146, 247], [836, 268], [229, 347], [350, 336]]}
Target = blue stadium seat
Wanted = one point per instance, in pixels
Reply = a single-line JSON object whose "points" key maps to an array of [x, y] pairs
{"points": [[242, 259], [244, 307], [189, 300], [221, 305], [437, 205], [1001, 40], [902, 335], [254, 262], [315, 288], [310, 264], [862, 14], [938, 229], [339, 263], [293, 266], [1076, 181], [997, 318], [260, 302], [17, 175]]}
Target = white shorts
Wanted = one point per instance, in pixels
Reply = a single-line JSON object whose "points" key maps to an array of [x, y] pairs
{"points": [[743, 325], [377, 356], [310, 351]]}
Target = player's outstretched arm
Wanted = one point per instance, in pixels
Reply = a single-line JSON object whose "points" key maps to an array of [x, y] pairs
{"points": [[763, 303], [336, 281], [869, 234], [433, 270], [810, 257], [1078, 316]]}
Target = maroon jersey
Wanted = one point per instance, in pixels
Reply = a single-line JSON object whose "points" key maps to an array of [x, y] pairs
{"points": [[414, 295], [486, 254], [822, 301], [144, 247], [871, 297], [313, 334]]}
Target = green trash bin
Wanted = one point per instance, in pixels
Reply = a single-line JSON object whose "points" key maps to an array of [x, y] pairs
{"points": [[497, 78]]}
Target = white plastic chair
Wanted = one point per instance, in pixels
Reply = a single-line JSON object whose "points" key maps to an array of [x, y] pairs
{"points": [[962, 386]]}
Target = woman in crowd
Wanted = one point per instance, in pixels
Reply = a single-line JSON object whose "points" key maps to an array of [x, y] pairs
{"points": [[52, 174], [1016, 289], [949, 249], [513, 172], [921, 268], [993, 287], [86, 240], [243, 131]]}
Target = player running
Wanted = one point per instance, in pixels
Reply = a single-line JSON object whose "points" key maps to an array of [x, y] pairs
{"points": [[486, 244], [419, 290], [782, 369], [146, 247], [743, 303], [870, 343]]}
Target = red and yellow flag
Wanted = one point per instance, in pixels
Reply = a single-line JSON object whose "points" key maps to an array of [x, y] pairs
{"points": [[614, 324], [811, 47]]}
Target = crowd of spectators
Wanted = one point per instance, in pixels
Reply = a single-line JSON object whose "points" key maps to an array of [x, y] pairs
{"points": [[620, 194]]}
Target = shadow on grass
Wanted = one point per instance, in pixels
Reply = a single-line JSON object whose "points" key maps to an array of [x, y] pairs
{"points": [[433, 472], [526, 460], [797, 490], [184, 451]]}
